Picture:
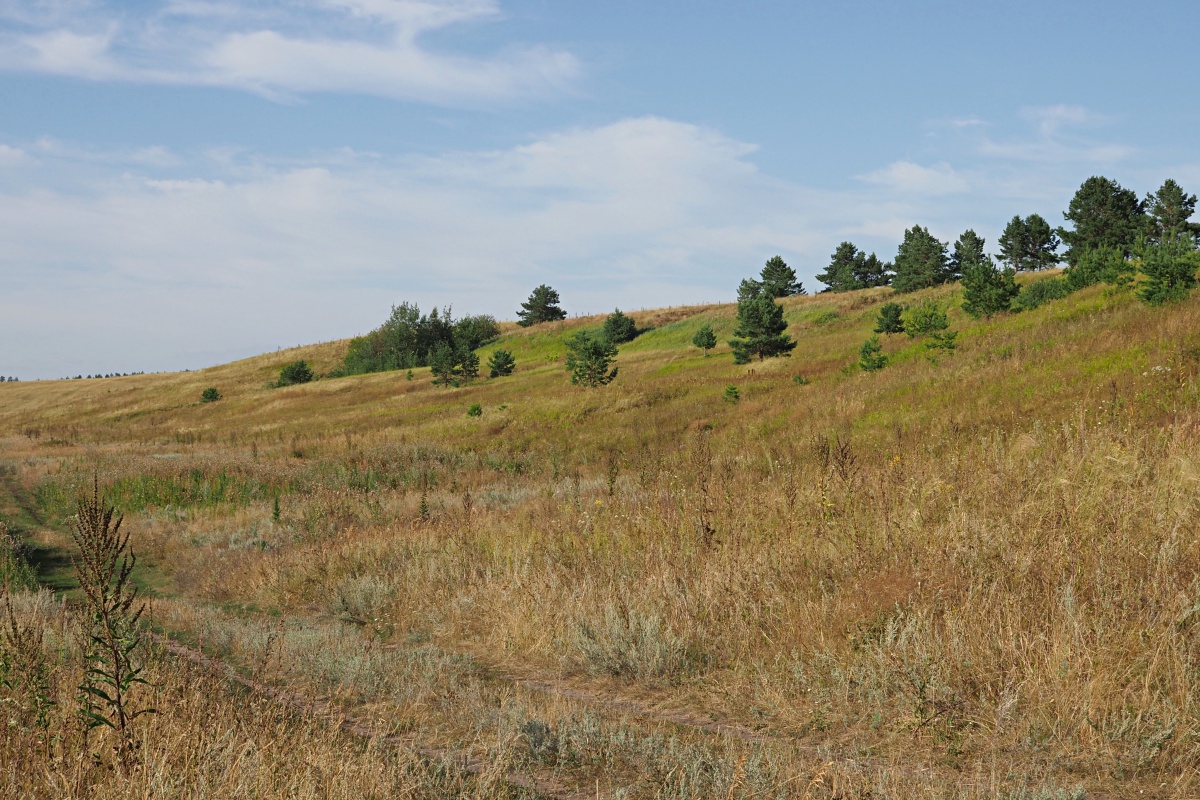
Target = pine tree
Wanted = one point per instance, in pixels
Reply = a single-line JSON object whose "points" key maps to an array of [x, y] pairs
{"points": [[705, 339], [969, 249], [760, 330], [1104, 215], [589, 358], [1170, 270], [920, 262], [889, 319], [501, 362], [850, 268], [839, 275], [443, 365], [986, 289], [871, 357], [542, 306], [1170, 209], [779, 280]]}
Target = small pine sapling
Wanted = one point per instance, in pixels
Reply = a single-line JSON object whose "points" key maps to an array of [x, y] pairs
{"points": [[210, 395], [890, 319], [705, 339], [501, 362], [871, 357]]}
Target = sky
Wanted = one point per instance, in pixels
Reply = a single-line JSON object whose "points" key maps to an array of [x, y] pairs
{"points": [[188, 182]]}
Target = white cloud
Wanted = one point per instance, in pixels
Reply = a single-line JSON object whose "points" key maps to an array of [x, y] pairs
{"points": [[282, 49], [1055, 141], [907, 177]]}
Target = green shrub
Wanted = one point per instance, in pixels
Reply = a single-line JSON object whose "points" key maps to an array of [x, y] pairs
{"points": [[619, 328], [589, 358], [1036, 294], [475, 410], [800, 380], [295, 372], [210, 395], [732, 394]]}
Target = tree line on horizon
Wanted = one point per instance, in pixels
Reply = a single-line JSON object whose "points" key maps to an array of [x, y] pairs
{"points": [[1115, 235]]}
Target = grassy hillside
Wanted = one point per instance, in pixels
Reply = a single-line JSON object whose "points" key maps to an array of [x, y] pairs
{"points": [[975, 576]]}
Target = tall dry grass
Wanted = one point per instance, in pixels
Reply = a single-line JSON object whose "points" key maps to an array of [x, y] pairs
{"points": [[969, 578]]}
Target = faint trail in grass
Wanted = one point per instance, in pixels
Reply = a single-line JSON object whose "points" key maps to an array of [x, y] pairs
{"points": [[333, 714]]}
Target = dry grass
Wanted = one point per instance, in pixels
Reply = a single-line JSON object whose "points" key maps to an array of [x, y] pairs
{"points": [[970, 578]]}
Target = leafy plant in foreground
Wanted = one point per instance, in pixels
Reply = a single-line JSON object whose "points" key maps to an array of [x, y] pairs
{"points": [[210, 395], [113, 641]]}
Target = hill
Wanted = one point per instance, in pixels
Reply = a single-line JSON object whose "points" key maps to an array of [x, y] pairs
{"points": [[973, 575]]}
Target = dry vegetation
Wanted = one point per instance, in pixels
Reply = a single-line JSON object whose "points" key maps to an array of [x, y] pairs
{"points": [[971, 578]]}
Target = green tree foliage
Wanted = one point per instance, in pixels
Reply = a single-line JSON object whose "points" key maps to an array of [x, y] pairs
{"points": [[500, 363], [293, 373], [589, 358], [619, 328], [920, 262], [473, 332], [1170, 211], [890, 319], [1104, 215], [986, 289], [210, 395], [1041, 292], [850, 268], [468, 363], [968, 249], [779, 280], [760, 330], [924, 319], [542, 306], [871, 357], [1170, 269], [928, 321], [748, 289], [705, 339], [407, 338], [1100, 265], [1029, 244], [443, 365]]}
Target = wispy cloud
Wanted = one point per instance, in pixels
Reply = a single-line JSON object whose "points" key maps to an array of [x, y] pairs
{"points": [[907, 177], [281, 49], [1057, 138]]}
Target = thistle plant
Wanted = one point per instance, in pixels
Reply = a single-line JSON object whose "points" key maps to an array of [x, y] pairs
{"points": [[112, 638]]}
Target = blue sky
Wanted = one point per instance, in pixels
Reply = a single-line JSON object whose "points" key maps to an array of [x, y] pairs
{"points": [[185, 182]]}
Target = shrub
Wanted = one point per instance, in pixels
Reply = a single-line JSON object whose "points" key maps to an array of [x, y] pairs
{"points": [[925, 319], [1170, 270], [800, 380], [619, 328], [1036, 294], [293, 373], [475, 410], [501, 362], [210, 395], [732, 394]]}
